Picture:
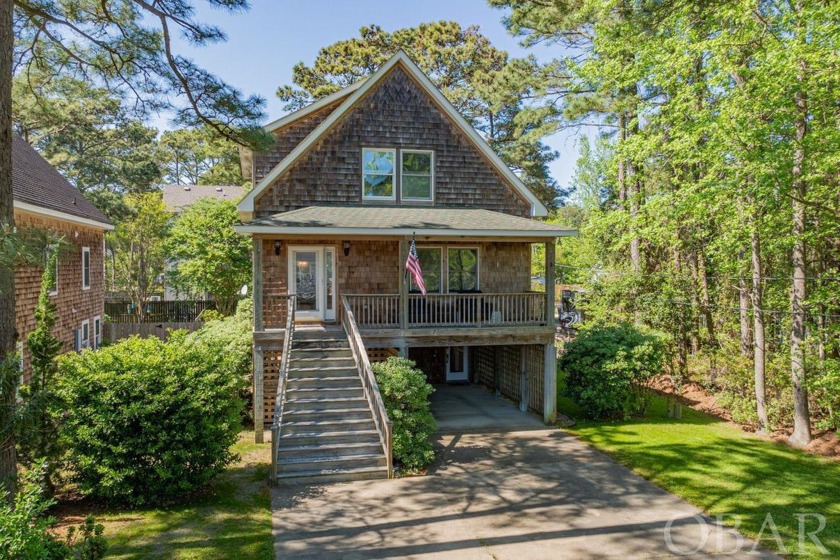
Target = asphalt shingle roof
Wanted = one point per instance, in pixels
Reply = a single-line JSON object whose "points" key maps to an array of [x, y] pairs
{"points": [[404, 219], [36, 182], [178, 197]]}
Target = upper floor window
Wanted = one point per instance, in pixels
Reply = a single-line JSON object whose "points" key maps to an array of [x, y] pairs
{"points": [[85, 268], [378, 174], [416, 174]]}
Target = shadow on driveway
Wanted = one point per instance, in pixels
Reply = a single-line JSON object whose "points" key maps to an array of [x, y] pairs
{"points": [[504, 486]]}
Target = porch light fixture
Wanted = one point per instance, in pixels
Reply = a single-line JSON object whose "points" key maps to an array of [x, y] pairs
{"points": [[277, 245], [346, 248]]}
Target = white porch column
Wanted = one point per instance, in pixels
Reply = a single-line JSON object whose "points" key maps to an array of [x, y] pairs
{"points": [[550, 371]]}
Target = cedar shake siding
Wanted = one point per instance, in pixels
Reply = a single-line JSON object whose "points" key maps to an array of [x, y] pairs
{"points": [[73, 303], [374, 267], [396, 113], [286, 139]]}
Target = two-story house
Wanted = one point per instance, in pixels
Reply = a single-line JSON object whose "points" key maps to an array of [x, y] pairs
{"points": [[44, 200], [349, 182]]}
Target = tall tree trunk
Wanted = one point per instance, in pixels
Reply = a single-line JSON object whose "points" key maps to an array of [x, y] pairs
{"points": [[744, 314], [759, 360], [801, 415], [706, 299], [8, 458]]}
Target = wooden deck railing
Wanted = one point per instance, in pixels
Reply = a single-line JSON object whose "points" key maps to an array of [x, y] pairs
{"points": [[382, 311], [374, 398], [280, 401]]}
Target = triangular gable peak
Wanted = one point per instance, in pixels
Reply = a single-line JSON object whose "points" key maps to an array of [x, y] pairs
{"points": [[300, 159]]}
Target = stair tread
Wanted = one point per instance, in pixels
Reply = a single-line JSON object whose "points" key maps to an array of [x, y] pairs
{"points": [[332, 378], [322, 472], [327, 435], [321, 368], [333, 459], [328, 446], [322, 410], [327, 390], [325, 399], [326, 422]]}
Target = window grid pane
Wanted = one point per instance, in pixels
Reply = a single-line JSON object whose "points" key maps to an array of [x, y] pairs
{"points": [[416, 168], [378, 173], [463, 270]]}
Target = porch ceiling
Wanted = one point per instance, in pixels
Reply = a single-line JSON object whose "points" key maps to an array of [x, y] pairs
{"points": [[402, 220]]}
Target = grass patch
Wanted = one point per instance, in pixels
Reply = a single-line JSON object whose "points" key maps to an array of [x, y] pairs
{"points": [[725, 471], [232, 519]]}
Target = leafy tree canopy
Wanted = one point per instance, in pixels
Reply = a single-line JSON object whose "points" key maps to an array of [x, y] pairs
{"points": [[199, 156]]}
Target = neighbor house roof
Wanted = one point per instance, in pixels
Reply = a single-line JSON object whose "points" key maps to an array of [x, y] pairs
{"points": [[246, 206], [178, 197], [39, 188], [403, 220]]}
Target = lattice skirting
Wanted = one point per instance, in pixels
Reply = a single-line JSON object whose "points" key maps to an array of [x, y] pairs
{"points": [[499, 368]]}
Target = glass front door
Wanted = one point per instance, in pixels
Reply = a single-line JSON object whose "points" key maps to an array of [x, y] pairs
{"points": [[312, 279], [457, 364]]}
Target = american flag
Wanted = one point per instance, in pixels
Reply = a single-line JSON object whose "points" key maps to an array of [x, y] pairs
{"points": [[412, 265]]}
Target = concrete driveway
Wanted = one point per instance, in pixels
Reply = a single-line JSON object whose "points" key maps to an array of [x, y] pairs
{"points": [[503, 487]]}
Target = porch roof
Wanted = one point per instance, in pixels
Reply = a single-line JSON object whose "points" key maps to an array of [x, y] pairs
{"points": [[403, 220]]}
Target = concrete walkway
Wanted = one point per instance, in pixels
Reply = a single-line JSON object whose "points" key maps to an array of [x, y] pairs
{"points": [[504, 487]]}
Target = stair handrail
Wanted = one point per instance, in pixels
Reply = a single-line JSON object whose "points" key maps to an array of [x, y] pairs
{"points": [[380, 415], [280, 400]]}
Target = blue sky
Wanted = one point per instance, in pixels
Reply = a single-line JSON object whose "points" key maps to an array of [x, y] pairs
{"points": [[267, 41]]}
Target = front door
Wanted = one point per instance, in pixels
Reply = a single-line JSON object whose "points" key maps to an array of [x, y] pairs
{"points": [[457, 364], [312, 280]]}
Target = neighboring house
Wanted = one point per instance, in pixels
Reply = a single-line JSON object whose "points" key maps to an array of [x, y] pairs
{"points": [[178, 198], [45, 200], [350, 180]]}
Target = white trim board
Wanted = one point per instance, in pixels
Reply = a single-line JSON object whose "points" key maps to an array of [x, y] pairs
{"points": [[58, 215], [246, 205], [393, 232], [313, 107]]}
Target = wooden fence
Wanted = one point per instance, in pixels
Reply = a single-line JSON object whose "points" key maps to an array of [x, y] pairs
{"points": [[186, 311], [117, 331]]}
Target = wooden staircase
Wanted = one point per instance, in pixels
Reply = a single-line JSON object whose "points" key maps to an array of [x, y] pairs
{"points": [[327, 430]]}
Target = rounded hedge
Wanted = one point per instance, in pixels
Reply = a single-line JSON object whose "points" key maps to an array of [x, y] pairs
{"points": [[606, 367], [146, 421], [405, 393]]}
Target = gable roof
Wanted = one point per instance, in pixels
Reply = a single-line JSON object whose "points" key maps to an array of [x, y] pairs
{"points": [[178, 197], [39, 188], [246, 206], [403, 220], [314, 106]]}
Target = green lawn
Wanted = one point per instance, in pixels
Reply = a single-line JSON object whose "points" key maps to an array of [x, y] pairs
{"points": [[723, 470], [232, 520]]}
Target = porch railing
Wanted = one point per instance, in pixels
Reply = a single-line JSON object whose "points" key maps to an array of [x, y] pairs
{"points": [[280, 401], [374, 398], [382, 311]]}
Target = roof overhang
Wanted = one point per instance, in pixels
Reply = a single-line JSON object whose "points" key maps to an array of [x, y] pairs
{"points": [[246, 205], [57, 215], [255, 229]]}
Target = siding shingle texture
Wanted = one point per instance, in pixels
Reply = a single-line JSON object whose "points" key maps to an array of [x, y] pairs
{"points": [[396, 113]]}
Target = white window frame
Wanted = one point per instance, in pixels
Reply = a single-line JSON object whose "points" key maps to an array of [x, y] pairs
{"points": [[97, 332], [431, 197], [394, 184], [477, 265], [86, 250], [441, 250], [84, 342]]}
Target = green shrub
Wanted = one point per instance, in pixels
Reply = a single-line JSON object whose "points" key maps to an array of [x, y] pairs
{"points": [[24, 528], [606, 366], [405, 392], [824, 384], [147, 421], [233, 337]]}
